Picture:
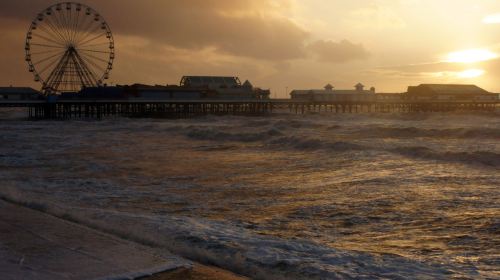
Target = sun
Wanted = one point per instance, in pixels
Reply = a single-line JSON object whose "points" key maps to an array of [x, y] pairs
{"points": [[471, 56], [492, 19]]}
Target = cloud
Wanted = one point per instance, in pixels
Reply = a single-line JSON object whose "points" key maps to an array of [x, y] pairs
{"points": [[375, 17], [242, 28], [13, 70], [338, 52], [166, 64], [158, 41], [248, 28], [424, 67], [443, 72]]}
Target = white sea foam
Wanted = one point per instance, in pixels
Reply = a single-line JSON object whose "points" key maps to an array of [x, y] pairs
{"points": [[241, 251]]}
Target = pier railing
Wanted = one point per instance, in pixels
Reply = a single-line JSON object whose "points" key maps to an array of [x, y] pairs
{"points": [[97, 109]]}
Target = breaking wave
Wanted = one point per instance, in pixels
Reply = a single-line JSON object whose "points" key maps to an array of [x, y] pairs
{"points": [[217, 135], [295, 124], [476, 157], [275, 138], [404, 132], [239, 250], [312, 144]]}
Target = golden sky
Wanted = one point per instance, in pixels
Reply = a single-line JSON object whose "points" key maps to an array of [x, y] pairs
{"points": [[285, 44]]}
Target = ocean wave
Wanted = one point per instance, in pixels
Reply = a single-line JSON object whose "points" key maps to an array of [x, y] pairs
{"points": [[294, 124], [403, 132], [492, 227], [430, 116], [18, 160], [308, 144], [477, 157], [216, 148], [211, 134], [257, 256], [257, 123]]}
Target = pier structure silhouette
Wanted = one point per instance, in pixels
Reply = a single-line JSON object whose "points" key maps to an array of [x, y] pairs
{"points": [[99, 109]]}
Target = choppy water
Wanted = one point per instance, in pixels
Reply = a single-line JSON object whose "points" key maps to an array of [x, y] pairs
{"points": [[325, 196]]}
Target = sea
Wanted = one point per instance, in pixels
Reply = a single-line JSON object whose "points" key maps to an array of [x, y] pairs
{"points": [[284, 196]]}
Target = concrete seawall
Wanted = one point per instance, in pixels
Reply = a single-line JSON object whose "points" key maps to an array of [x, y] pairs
{"points": [[34, 245]]}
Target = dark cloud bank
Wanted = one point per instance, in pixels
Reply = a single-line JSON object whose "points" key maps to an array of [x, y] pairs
{"points": [[244, 28]]}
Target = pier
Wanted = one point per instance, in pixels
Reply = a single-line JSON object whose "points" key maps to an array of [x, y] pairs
{"points": [[98, 109]]}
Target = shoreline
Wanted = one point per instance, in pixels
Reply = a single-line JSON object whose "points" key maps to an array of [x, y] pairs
{"points": [[196, 272], [53, 245]]}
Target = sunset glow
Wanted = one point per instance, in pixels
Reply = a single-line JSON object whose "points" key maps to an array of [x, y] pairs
{"points": [[471, 73], [492, 19], [286, 44], [471, 56]]}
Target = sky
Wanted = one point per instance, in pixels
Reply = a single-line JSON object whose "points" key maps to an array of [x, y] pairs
{"points": [[285, 44]]}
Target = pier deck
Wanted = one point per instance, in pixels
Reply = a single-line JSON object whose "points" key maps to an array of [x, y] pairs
{"points": [[97, 109]]}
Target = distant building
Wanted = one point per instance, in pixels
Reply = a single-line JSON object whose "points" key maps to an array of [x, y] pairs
{"points": [[449, 92], [19, 93], [329, 94], [225, 87]]}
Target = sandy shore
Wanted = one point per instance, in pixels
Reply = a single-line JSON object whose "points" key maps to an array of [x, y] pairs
{"points": [[198, 272]]}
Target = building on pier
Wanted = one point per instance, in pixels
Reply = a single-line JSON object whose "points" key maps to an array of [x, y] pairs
{"points": [[108, 93], [137, 92], [330, 94], [159, 92], [19, 93], [191, 88], [227, 88], [449, 92]]}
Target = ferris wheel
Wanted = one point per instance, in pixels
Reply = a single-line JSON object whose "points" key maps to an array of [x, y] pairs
{"points": [[69, 46]]}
